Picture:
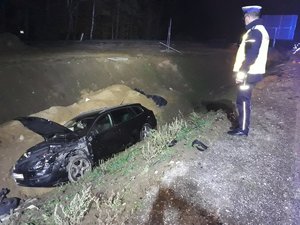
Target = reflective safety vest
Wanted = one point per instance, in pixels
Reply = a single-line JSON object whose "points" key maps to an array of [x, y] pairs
{"points": [[259, 65]]}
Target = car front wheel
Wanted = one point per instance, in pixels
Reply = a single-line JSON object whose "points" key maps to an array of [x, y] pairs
{"points": [[145, 131], [77, 166]]}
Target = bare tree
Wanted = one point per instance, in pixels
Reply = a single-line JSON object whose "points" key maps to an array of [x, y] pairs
{"points": [[72, 8], [2, 16], [124, 18], [93, 20], [117, 19]]}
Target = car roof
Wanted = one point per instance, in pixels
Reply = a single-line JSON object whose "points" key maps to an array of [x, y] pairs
{"points": [[95, 113]]}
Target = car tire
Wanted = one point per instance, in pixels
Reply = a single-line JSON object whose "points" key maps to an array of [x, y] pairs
{"points": [[145, 130], [77, 166]]}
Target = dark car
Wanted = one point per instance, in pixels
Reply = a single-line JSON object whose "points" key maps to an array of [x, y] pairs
{"points": [[69, 151]]}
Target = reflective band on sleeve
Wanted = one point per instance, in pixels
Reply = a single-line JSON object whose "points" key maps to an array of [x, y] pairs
{"points": [[244, 87]]}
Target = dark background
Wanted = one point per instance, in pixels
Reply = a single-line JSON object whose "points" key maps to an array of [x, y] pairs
{"points": [[201, 20]]}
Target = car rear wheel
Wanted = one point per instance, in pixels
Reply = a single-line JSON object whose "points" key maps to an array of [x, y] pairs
{"points": [[77, 166], [145, 131]]}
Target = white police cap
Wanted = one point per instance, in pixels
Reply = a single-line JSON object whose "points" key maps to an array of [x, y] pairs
{"points": [[251, 9]]}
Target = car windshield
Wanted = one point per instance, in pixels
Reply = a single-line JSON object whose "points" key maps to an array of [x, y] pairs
{"points": [[79, 125]]}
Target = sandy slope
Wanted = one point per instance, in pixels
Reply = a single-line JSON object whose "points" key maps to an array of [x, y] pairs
{"points": [[15, 139]]}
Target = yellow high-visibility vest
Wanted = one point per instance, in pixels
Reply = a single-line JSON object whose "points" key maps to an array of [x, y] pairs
{"points": [[259, 65]]}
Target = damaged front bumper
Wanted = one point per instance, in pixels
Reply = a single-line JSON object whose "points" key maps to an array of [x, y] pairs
{"points": [[45, 178]]}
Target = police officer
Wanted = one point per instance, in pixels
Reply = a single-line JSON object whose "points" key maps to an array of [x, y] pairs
{"points": [[250, 65]]}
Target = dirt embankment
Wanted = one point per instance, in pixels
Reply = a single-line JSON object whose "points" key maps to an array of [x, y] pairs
{"points": [[58, 84], [36, 79]]}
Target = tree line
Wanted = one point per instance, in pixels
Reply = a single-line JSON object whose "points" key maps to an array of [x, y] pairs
{"points": [[86, 19]]}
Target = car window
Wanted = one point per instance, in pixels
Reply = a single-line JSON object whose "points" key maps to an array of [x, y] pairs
{"points": [[137, 110], [122, 115], [76, 125], [102, 124]]}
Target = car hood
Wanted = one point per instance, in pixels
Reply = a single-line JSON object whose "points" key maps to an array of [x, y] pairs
{"points": [[43, 127]]}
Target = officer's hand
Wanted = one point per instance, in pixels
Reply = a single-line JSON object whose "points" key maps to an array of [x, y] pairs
{"points": [[234, 75], [240, 77], [239, 81]]}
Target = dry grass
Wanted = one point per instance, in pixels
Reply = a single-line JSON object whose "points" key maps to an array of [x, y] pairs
{"points": [[159, 140], [110, 210], [73, 213]]}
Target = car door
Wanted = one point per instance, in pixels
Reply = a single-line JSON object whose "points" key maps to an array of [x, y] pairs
{"points": [[123, 120], [102, 138], [139, 120]]}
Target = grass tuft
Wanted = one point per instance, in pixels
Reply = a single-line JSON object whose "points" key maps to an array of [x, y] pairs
{"points": [[110, 210], [74, 212]]}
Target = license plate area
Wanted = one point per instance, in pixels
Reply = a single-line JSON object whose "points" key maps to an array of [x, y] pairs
{"points": [[18, 176]]}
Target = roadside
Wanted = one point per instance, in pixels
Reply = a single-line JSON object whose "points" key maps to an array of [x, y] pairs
{"points": [[251, 180], [296, 166]]}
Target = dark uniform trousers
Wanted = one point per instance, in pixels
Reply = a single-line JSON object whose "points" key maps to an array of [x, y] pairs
{"points": [[243, 102]]}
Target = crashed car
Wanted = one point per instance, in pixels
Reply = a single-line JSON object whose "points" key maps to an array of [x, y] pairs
{"points": [[69, 151]]}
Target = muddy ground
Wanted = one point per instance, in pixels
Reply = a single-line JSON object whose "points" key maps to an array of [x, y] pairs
{"points": [[251, 180]]}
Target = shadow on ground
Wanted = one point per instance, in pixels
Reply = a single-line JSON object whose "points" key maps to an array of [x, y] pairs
{"points": [[225, 105], [184, 212]]}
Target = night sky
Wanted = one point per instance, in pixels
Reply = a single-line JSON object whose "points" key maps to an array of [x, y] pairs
{"points": [[133, 19], [216, 19]]}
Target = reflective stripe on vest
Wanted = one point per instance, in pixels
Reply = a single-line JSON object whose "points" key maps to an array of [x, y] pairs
{"points": [[259, 66]]}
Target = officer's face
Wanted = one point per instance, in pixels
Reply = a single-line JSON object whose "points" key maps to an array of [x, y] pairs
{"points": [[247, 19]]}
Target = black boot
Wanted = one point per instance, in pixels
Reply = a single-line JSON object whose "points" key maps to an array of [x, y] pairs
{"points": [[237, 132]]}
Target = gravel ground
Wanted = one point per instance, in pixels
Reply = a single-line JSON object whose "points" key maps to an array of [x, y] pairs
{"points": [[240, 180]]}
